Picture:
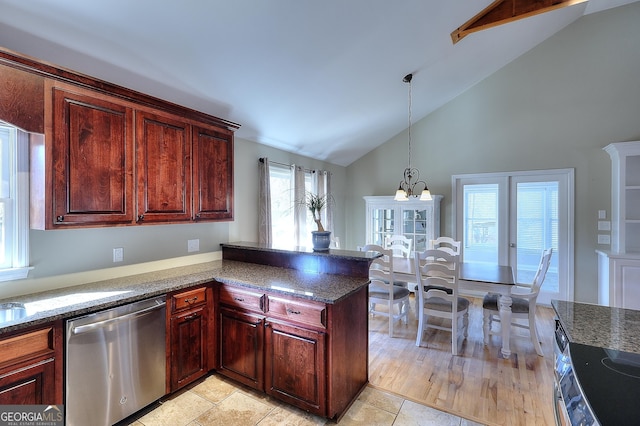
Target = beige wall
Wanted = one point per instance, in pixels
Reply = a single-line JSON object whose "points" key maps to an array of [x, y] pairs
{"points": [[55, 254], [556, 106]]}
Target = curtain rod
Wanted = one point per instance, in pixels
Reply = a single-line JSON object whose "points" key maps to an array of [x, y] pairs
{"points": [[261, 159]]}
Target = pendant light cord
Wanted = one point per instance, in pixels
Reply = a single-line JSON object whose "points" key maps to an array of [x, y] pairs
{"points": [[407, 79]]}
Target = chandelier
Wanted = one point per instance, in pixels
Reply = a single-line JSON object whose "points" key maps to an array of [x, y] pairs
{"points": [[411, 186]]}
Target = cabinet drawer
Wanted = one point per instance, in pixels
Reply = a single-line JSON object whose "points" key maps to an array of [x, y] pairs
{"points": [[241, 298], [27, 344], [302, 312], [188, 299]]}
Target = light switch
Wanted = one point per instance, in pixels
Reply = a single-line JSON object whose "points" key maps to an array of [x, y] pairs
{"points": [[604, 225], [604, 239], [602, 214]]}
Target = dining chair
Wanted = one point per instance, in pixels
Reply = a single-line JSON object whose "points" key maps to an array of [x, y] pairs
{"points": [[382, 289], [437, 272], [447, 244], [399, 244], [523, 306], [335, 243]]}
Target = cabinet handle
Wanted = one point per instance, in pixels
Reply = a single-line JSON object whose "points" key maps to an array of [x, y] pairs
{"points": [[192, 300], [197, 216], [238, 299], [291, 311], [140, 218], [191, 317], [60, 218]]}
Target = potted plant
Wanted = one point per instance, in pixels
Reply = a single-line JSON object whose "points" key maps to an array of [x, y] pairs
{"points": [[315, 203]]}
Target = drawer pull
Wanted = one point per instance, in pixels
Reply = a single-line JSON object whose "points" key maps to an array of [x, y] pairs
{"points": [[238, 299], [291, 311], [191, 300], [191, 317]]}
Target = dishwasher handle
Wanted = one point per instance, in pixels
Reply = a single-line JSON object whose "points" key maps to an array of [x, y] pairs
{"points": [[89, 327]]}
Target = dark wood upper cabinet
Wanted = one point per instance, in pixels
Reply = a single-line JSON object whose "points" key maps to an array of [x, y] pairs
{"points": [[92, 159], [212, 173], [21, 99], [163, 157], [105, 155]]}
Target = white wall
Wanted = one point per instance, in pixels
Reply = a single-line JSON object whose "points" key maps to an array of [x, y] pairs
{"points": [[556, 106]]}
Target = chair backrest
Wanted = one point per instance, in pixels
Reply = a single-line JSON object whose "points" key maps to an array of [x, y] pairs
{"points": [[381, 268], [335, 242], [447, 244], [541, 273], [399, 244], [436, 274]]}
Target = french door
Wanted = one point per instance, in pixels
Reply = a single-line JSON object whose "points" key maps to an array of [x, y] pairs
{"points": [[510, 218]]}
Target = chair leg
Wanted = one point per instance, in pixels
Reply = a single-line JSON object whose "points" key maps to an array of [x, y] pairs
{"points": [[391, 318], [534, 332], [454, 335], [420, 328], [486, 325], [406, 307]]}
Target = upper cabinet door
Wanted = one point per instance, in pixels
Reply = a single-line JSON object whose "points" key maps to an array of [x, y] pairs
{"points": [[163, 167], [212, 174], [92, 159]]}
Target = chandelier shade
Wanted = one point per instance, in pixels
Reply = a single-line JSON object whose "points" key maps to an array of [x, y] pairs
{"points": [[411, 186]]}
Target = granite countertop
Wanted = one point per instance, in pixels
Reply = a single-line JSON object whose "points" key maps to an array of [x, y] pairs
{"points": [[600, 326], [74, 301]]}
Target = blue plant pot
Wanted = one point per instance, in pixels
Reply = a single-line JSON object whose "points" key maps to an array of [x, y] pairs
{"points": [[321, 240]]}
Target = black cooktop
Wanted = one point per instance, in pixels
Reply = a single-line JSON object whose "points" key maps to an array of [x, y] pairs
{"points": [[610, 380]]}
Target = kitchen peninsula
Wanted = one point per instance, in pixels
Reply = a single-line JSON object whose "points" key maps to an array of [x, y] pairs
{"points": [[311, 305]]}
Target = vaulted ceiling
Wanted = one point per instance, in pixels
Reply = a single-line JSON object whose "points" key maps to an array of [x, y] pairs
{"points": [[318, 78]]}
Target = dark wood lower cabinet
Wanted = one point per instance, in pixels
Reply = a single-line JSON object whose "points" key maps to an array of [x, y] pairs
{"points": [[295, 366], [188, 347], [189, 335], [241, 347], [306, 353], [31, 366], [29, 385]]}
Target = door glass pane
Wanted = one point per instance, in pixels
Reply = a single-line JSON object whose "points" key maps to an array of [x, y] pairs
{"points": [[537, 229], [480, 230]]}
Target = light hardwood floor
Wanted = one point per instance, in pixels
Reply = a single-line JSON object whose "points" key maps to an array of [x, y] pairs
{"points": [[478, 384]]}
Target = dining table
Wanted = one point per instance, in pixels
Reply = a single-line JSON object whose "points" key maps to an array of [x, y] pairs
{"points": [[474, 278]]}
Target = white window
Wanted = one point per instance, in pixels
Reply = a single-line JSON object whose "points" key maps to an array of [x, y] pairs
{"points": [[14, 203], [283, 208]]}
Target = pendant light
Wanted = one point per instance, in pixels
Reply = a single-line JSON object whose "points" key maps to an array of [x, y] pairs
{"points": [[411, 184]]}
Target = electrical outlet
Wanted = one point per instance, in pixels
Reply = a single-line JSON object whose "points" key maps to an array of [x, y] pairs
{"points": [[118, 254], [193, 245]]}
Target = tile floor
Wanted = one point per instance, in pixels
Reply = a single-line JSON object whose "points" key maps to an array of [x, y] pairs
{"points": [[218, 401]]}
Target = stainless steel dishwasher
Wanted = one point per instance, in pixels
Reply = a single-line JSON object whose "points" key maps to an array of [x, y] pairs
{"points": [[115, 362]]}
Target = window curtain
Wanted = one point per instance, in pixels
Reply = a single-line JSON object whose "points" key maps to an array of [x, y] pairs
{"points": [[264, 203], [300, 211]]}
